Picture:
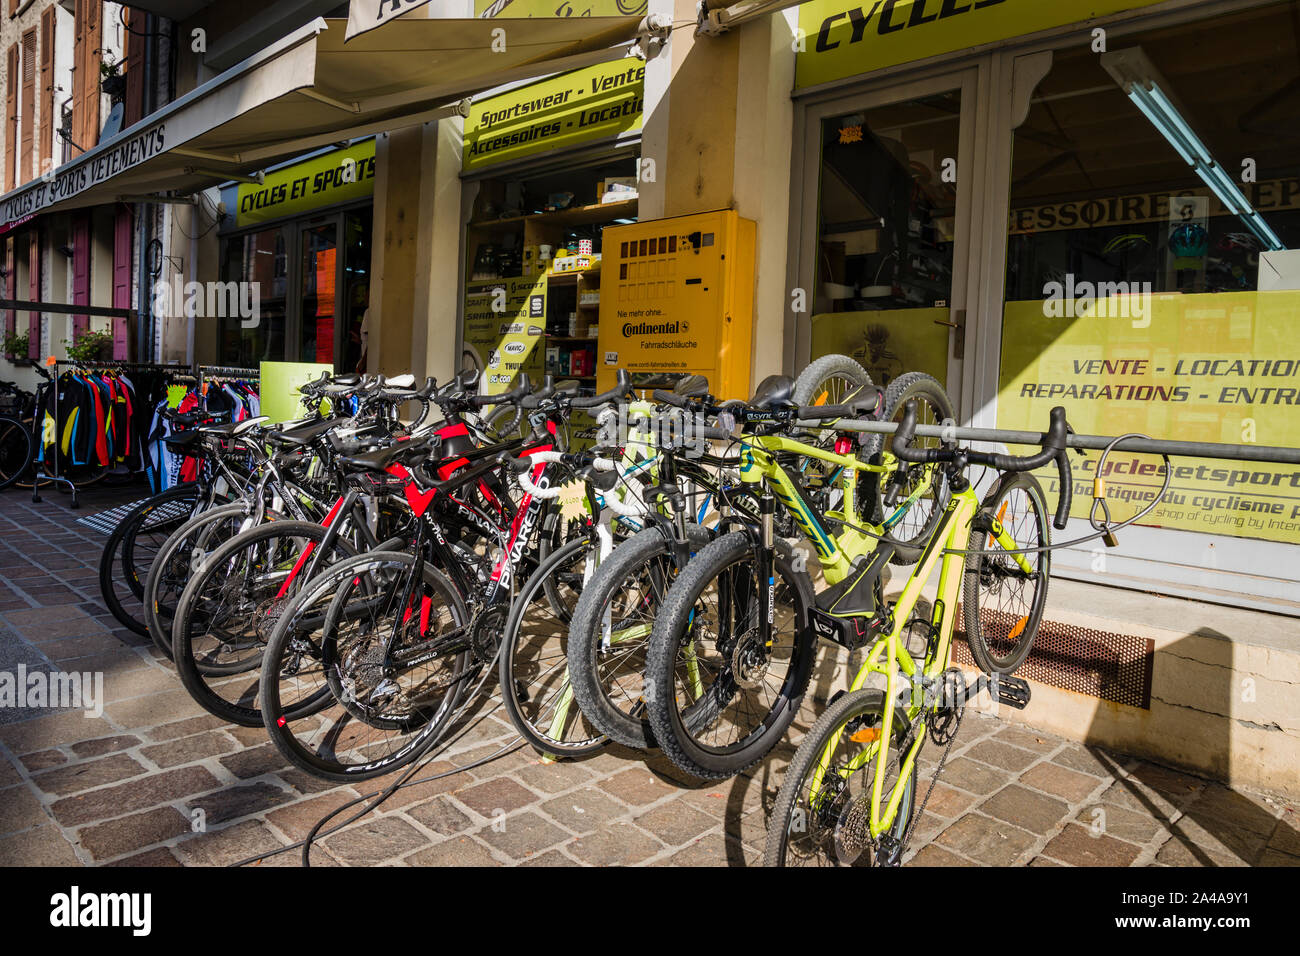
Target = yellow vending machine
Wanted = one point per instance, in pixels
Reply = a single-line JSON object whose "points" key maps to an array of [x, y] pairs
{"points": [[677, 298]]}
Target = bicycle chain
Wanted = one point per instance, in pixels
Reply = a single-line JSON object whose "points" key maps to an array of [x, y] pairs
{"points": [[916, 817]]}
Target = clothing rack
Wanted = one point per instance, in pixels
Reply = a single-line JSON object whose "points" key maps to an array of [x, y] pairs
{"points": [[229, 371], [179, 373]]}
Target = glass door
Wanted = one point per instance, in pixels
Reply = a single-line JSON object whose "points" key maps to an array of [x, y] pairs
{"points": [[884, 229], [317, 284]]}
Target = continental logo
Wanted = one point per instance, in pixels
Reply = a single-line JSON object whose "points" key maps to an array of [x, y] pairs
{"points": [[885, 17], [646, 328]]}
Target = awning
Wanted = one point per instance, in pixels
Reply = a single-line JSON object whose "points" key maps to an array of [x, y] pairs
{"points": [[310, 90]]}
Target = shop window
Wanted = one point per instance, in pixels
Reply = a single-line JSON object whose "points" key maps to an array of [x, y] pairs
{"points": [[538, 235], [1101, 193], [886, 212], [262, 258], [1150, 282]]}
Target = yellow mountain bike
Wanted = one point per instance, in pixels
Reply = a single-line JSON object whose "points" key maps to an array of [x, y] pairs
{"points": [[849, 793]]}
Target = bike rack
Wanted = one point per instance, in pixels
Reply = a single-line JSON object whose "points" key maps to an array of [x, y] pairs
{"points": [[1153, 446]]}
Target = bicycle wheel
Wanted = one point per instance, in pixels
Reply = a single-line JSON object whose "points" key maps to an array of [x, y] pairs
{"points": [[828, 381], [1002, 600], [717, 700], [333, 701], [178, 559], [913, 531], [823, 811], [132, 546], [230, 606], [17, 449], [533, 665], [611, 631]]}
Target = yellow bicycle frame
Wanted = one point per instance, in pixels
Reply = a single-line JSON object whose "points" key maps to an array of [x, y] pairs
{"points": [[889, 656], [836, 552]]}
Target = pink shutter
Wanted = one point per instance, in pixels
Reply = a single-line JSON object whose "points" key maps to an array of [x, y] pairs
{"points": [[34, 293], [11, 281], [121, 280], [80, 269]]}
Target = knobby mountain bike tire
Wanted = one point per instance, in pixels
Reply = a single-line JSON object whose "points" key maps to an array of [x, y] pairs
{"points": [[1002, 603], [720, 728], [629, 587], [533, 663]]}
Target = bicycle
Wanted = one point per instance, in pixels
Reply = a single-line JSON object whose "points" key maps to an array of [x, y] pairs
{"points": [[725, 676], [849, 793], [369, 663]]}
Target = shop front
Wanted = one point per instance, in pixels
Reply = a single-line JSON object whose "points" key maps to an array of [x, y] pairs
{"points": [[547, 169], [301, 240], [1088, 204]]}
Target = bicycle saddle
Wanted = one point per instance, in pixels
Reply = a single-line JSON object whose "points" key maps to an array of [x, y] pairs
{"points": [[381, 458], [773, 392], [303, 434]]}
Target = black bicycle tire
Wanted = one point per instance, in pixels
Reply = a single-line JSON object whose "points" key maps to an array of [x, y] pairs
{"points": [[670, 732], [850, 705], [279, 729], [161, 634], [193, 675], [20, 428], [983, 655], [902, 390], [117, 544], [508, 658], [584, 677]]}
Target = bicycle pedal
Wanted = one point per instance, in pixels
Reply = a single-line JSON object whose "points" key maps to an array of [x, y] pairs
{"points": [[851, 633], [1013, 691]]}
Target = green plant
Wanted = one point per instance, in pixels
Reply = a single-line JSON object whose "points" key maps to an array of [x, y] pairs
{"points": [[109, 69], [89, 345], [16, 344]]}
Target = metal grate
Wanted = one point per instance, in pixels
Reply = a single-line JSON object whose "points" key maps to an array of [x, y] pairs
{"points": [[105, 521], [1101, 664]]}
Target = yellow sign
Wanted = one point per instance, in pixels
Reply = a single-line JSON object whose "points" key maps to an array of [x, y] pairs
{"points": [[279, 383], [843, 39], [1213, 368], [342, 175], [505, 321], [886, 342], [577, 107], [676, 298], [560, 8]]}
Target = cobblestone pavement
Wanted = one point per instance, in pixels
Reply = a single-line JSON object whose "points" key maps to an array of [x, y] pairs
{"points": [[122, 789]]}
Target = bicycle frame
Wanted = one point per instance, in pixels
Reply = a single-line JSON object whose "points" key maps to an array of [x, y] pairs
{"points": [[889, 656], [837, 552]]}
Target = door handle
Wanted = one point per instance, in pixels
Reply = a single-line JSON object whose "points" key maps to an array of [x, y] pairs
{"points": [[958, 325]]}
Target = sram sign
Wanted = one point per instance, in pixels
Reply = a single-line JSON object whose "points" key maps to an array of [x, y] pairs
{"points": [[842, 38]]}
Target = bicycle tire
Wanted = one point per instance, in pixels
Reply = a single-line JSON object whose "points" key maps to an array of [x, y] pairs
{"points": [[118, 554], [283, 718], [626, 565], [827, 381], [830, 725], [524, 655], [668, 722], [201, 534], [915, 534], [217, 587], [1001, 633], [17, 449]]}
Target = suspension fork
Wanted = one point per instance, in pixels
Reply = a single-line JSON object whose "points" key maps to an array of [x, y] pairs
{"points": [[767, 566]]}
